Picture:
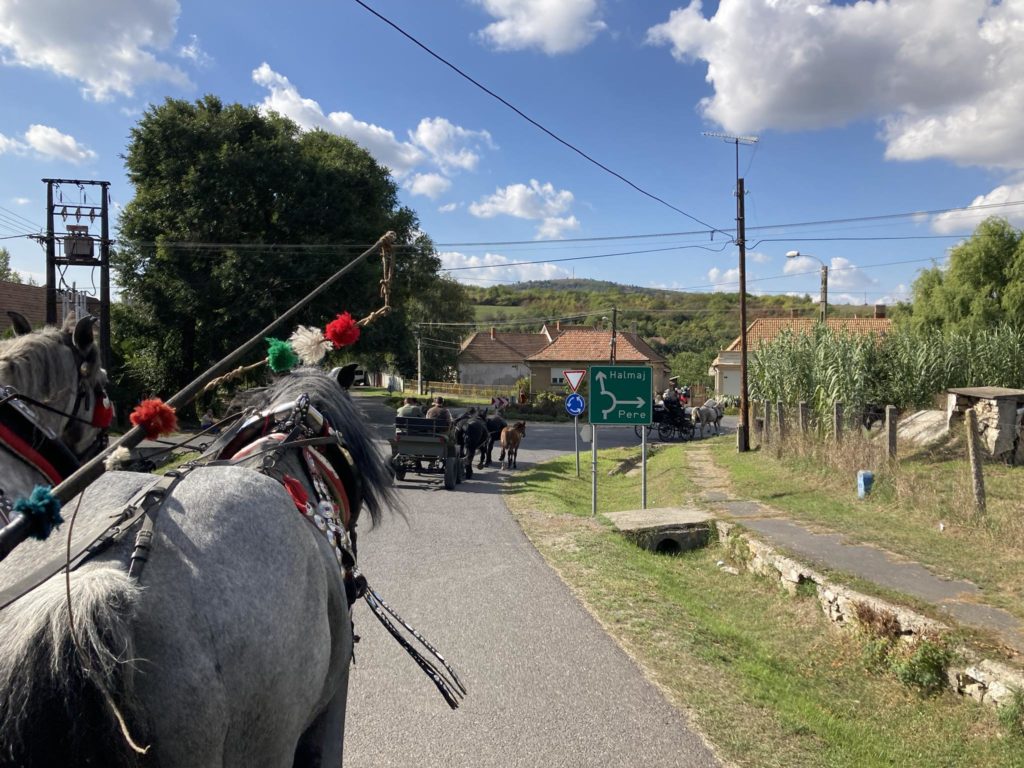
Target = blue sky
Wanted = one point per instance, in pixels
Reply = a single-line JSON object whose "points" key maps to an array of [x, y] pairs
{"points": [[862, 109]]}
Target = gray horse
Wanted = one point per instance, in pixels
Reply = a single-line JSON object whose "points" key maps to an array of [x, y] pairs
{"points": [[233, 645], [61, 369], [710, 413]]}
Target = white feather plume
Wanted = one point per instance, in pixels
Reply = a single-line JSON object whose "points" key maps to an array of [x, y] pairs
{"points": [[309, 344], [119, 458]]}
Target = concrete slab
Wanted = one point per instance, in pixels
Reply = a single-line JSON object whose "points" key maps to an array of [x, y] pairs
{"points": [[641, 519], [1004, 624], [668, 530]]}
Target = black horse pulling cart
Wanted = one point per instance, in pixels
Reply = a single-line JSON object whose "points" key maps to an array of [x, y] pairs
{"points": [[673, 422]]}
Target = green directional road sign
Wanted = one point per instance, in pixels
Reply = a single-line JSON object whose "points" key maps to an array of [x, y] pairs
{"points": [[621, 394]]}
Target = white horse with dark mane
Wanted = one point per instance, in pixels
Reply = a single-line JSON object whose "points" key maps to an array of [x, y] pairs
{"points": [[710, 414], [53, 406], [232, 646]]}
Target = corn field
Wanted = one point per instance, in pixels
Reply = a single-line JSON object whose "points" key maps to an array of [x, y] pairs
{"points": [[903, 368]]}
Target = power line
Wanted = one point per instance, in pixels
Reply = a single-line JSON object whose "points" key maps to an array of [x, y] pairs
{"points": [[17, 215], [533, 122], [583, 258]]}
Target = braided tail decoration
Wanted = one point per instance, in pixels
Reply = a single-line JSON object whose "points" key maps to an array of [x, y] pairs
{"points": [[452, 689]]}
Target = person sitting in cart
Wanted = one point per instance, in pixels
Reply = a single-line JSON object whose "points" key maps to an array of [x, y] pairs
{"points": [[438, 411], [671, 395], [410, 408]]}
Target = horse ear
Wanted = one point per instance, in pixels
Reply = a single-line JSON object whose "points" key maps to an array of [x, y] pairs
{"points": [[83, 336], [21, 325], [345, 375]]}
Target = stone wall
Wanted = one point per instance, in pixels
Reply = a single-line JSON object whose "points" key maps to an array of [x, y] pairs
{"points": [[984, 680]]}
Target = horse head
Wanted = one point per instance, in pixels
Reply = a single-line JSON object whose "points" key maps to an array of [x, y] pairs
{"points": [[60, 370]]}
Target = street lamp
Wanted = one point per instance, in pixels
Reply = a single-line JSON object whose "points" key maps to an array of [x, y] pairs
{"points": [[824, 280]]}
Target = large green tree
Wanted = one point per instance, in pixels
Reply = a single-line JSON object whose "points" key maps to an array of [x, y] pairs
{"points": [[982, 287], [238, 214]]}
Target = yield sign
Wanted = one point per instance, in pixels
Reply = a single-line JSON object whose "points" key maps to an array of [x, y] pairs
{"points": [[574, 378]]}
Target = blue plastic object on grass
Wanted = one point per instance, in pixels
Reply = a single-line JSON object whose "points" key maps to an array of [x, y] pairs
{"points": [[865, 480]]}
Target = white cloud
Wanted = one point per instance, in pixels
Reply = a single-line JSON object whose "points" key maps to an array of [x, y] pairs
{"points": [[430, 185], [758, 257], [801, 264], [194, 53], [944, 78], [533, 201], [449, 145], [494, 269], [10, 146], [49, 142], [553, 228], [435, 140], [20, 200], [448, 207], [553, 26], [727, 280], [961, 221], [284, 98], [844, 275], [110, 46]]}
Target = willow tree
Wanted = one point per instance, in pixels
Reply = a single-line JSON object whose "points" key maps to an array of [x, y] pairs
{"points": [[236, 215], [982, 287]]}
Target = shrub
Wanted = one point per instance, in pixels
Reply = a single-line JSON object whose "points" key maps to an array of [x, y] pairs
{"points": [[922, 665], [1011, 715]]}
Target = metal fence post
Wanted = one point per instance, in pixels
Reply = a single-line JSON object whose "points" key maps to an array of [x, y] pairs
{"points": [[804, 417]]}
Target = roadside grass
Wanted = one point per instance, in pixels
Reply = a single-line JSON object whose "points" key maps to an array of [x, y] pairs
{"points": [[763, 675], [921, 505]]}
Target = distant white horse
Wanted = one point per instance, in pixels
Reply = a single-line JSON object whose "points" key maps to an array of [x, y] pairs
{"points": [[43, 442], [710, 413], [232, 647]]}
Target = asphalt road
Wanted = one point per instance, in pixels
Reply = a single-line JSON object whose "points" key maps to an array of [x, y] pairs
{"points": [[547, 686]]}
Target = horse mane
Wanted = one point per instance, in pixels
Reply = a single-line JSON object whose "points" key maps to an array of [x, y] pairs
{"points": [[327, 395], [40, 364]]}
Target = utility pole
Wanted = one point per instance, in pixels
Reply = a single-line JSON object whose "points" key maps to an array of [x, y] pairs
{"points": [[824, 293], [78, 248], [743, 431], [615, 317]]}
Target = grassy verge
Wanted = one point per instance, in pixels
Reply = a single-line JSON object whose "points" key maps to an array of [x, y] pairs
{"points": [[764, 675], [920, 507]]}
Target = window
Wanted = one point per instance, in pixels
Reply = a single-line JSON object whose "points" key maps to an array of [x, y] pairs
{"points": [[557, 379]]}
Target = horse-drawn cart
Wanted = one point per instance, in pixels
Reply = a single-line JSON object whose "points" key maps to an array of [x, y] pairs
{"points": [[672, 422], [426, 447]]}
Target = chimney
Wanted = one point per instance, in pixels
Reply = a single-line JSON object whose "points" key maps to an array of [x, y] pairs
{"points": [[558, 325], [492, 333], [793, 313], [879, 311]]}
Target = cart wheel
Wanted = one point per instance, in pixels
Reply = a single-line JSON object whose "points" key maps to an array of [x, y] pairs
{"points": [[469, 469], [449, 473], [686, 431], [665, 430], [460, 470], [639, 429]]}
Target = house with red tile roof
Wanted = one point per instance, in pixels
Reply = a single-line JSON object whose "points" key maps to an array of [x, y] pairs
{"points": [[496, 357], [579, 348], [726, 367]]}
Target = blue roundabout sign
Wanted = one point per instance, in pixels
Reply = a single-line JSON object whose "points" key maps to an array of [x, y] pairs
{"points": [[575, 404]]}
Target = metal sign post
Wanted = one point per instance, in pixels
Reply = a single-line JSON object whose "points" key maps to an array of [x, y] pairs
{"points": [[593, 471], [622, 394], [643, 471], [574, 406], [576, 441]]}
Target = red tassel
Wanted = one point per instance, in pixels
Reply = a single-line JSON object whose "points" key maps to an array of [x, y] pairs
{"points": [[297, 492], [342, 331], [156, 417]]}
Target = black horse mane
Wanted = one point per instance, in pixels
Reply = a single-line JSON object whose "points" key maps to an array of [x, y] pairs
{"points": [[327, 396]]}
